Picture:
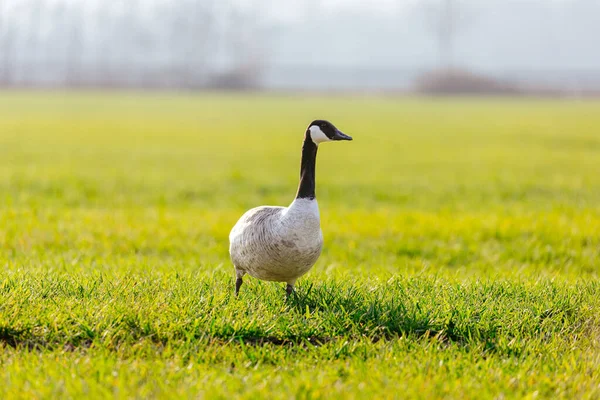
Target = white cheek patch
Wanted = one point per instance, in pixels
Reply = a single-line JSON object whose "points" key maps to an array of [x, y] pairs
{"points": [[317, 135]]}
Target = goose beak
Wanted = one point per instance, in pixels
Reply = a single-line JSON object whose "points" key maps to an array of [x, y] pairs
{"points": [[339, 135]]}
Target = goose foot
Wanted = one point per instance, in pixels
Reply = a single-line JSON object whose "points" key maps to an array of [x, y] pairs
{"points": [[238, 284]]}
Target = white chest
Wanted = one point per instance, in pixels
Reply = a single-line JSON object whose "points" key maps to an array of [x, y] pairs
{"points": [[303, 220]]}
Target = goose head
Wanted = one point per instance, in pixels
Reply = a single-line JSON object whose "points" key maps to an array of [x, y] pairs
{"points": [[321, 131]]}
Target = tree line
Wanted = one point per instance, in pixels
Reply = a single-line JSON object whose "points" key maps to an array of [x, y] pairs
{"points": [[191, 43]]}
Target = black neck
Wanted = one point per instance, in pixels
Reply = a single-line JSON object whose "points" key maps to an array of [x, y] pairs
{"points": [[306, 189]]}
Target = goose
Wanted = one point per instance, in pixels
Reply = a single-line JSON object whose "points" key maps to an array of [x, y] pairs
{"points": [[281, 244]]}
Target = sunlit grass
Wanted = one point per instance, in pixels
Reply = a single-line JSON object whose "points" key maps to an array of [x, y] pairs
{"points": [[462, 248]]}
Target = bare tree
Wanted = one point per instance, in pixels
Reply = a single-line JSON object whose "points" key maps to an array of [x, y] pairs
{"points": [[74, 48], [444, 22], [201, 38], [244, 44], [6, 45], [129, 42], [2, 52]]}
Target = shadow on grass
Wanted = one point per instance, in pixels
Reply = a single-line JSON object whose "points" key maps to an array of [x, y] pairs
{"points": [[10, 336], [23, 338], [348, 313], [380, 317], [486, 316]]}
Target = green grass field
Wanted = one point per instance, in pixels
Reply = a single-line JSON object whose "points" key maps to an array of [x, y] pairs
{"points": [[461, 260]]}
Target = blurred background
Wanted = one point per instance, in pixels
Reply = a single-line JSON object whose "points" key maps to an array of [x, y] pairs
{"points": [[541, 47]]}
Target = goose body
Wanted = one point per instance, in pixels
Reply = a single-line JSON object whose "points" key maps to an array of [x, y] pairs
{"points": [[282, 243], [277, 243]]}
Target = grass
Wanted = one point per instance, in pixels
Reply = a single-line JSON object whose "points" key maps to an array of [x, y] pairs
{"points": [[461, 260]]}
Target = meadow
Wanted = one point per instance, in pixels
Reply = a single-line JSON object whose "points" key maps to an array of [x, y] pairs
{"points": [[461, 259]]}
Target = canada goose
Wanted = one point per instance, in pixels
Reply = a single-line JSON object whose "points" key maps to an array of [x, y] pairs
{"points": [[282, 243]]}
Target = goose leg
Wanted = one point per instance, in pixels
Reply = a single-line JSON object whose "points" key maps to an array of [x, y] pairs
{"points": [[289, 289], [238, 284]]}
